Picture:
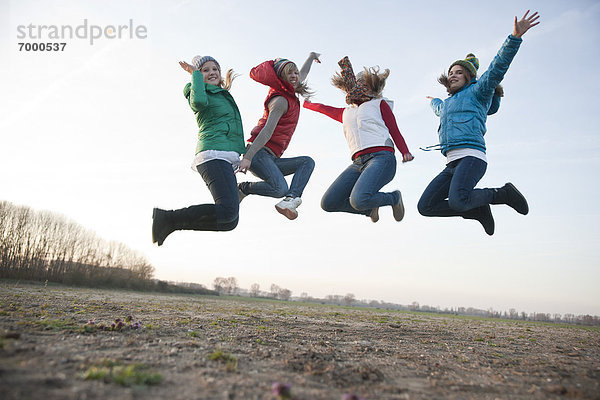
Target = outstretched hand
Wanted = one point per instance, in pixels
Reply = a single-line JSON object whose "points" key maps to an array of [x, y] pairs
{"points": [[315, 57], [525, 24], [187, 67]]}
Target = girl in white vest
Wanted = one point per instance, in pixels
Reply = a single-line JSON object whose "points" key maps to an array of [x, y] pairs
{"points": [[371, 132]]}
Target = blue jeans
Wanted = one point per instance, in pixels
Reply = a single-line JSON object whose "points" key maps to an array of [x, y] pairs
{"points": [[452, 193], [356, 190], [220, 180], [272, 171]]}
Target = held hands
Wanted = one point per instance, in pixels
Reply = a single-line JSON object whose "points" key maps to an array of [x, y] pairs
{"points": [[187, 67], [525, 24], [244, 165], [407, 157]]}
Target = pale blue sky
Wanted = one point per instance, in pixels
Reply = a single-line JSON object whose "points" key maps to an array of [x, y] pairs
{"points": [[102, 134]]}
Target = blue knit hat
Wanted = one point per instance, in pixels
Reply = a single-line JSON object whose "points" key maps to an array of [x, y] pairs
{"points": [[198, 61], [470, 63], [279, 64]]}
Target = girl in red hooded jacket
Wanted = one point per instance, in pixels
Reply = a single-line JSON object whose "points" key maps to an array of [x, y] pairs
{"points": [[272, 135]]}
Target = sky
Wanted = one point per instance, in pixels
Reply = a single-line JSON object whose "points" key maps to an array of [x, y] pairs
{"points": [[101, 133]]}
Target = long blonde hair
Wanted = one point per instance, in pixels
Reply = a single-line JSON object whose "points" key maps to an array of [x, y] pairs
{"points": [[229, 77], [374, 80]]}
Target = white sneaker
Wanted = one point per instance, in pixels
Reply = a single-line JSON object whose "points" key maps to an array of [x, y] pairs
{"points": [[287, 207]]}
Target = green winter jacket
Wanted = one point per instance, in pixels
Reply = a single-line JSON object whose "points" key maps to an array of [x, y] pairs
{"points": [[217, 115]]}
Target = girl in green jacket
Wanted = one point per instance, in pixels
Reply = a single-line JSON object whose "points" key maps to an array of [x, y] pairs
{"points": [[220, 144]]}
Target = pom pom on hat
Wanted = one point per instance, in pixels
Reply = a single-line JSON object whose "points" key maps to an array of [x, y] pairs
{"points": [[198, 61], [470, 63], [279, 64]]}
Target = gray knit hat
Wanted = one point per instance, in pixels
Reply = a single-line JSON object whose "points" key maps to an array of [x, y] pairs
{"points": [[198, 61]]}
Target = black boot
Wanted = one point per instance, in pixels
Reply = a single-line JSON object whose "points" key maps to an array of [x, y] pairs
{"points": [[509, 195], [484, 215], [202, 217], [161, 225]]}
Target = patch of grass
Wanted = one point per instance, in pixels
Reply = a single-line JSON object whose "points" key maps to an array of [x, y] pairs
{"points": [[193, 334], [231, 363], [56, 324], [111, 371]]}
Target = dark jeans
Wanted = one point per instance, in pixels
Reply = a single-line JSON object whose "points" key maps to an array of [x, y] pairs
{"points": [[452, 193], [220, 179], [272, 171], [356, 190]]}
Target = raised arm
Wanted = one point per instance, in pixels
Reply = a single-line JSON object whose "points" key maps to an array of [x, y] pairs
{"points": [[197, 92], [307, 64], [332, 112], [499, 65], [277, 107]]}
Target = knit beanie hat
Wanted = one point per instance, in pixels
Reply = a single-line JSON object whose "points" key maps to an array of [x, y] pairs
{"points": [[279, 64], [470, 63], [198, 61]]}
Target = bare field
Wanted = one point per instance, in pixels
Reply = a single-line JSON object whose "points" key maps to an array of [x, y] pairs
{"points": [[197, 347]]}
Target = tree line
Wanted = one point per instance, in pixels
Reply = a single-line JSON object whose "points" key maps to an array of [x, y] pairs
{"points": [[229, 286], [46, 246]]}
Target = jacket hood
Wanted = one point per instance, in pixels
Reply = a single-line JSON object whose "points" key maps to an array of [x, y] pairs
{"points": [[265, 74]]}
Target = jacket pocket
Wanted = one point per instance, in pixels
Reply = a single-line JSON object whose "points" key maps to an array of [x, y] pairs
{"points": [[462, 122]]}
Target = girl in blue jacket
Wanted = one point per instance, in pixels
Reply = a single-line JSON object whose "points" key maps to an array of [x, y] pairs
{"points": [[462, 125]]}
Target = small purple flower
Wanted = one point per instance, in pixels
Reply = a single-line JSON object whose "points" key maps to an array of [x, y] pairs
{"points": [[117, 320], [282, 390], [136, 325], [128, 318], [352, 396], [91, 322]]}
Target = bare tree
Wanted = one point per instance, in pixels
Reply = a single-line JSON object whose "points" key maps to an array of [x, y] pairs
{"points": [[220, 284], [274, 290], [254, 290], [348, 299], [284, 294], [232, 286]]}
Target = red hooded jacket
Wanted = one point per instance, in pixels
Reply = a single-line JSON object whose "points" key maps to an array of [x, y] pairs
{"points": [[265, 74]]}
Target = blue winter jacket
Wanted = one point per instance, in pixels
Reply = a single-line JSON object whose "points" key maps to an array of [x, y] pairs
{"points": [[463, 114]]}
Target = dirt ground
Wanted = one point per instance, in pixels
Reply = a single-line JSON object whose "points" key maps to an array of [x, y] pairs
{"points": [[197, 347]]}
